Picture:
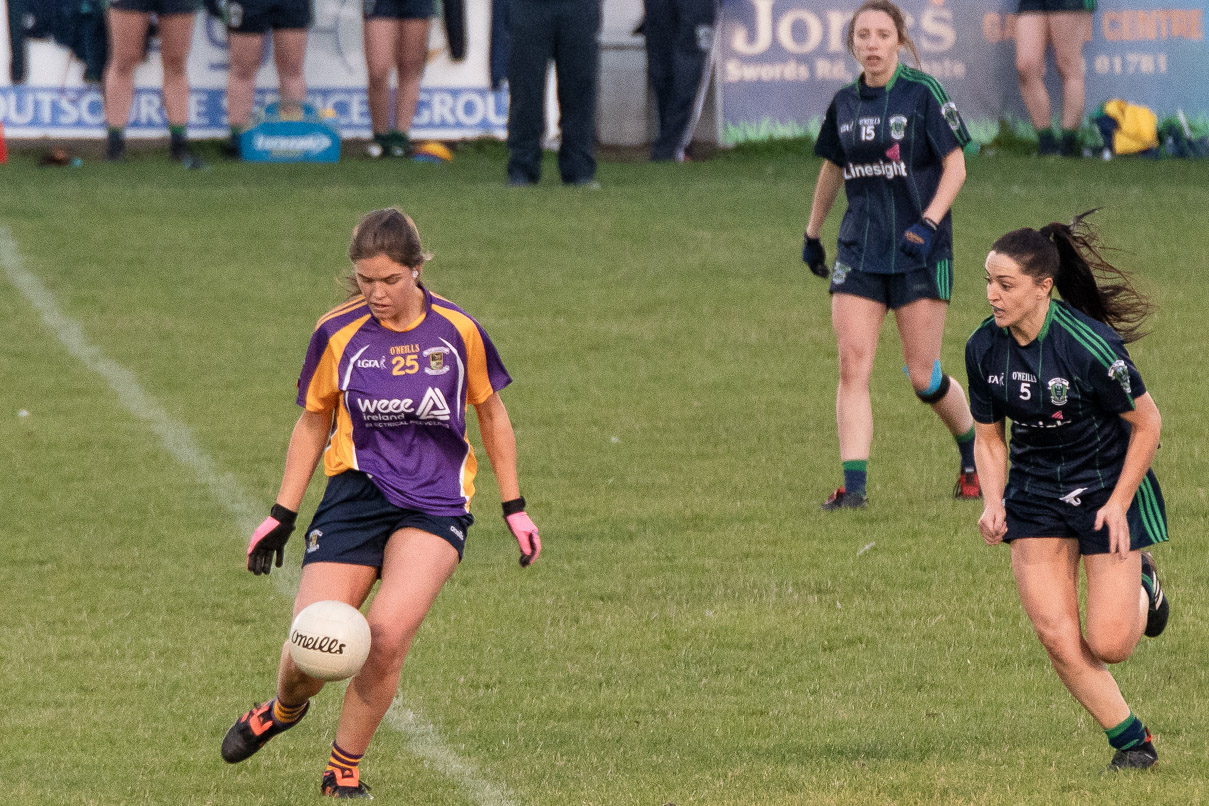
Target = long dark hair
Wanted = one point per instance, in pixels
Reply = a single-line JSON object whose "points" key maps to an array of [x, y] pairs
{"points": [[1069, 254]]}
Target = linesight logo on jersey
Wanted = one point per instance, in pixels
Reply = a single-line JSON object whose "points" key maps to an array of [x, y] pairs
{"points": [[871, 170]]}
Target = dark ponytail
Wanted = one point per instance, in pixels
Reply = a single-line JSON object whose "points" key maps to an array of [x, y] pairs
{"points": [[1069, 254]]}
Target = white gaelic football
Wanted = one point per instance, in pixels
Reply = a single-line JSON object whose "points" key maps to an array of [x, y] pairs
{"points": [[329, 640]]}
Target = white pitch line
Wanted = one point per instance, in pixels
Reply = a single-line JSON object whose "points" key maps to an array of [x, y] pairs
{"points": [[422, 737]]}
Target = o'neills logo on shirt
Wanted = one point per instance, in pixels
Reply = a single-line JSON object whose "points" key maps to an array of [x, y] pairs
{"points": [[870, 170], [318, 643]]}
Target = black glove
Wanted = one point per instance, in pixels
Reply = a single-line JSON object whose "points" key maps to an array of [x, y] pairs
{"points": [[814, 256], [269, 538]]}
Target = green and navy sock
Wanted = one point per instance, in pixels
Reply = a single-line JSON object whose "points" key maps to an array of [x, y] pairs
{"points": [[1130, 733], [965, 444], [855, 476], [177, 135], [1148, 585]]}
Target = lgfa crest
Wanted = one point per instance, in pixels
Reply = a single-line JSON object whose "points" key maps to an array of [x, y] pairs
{"points": [[1059, 388], [312, 540]]}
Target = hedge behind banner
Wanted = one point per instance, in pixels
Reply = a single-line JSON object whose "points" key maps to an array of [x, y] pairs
{"points": [[781, 61]]}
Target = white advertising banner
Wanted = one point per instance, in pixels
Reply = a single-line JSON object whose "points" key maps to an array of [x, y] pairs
{"points": [[456, 99]]}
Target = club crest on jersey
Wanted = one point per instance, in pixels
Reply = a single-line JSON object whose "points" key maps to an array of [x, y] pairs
{"points": [[949, 110], [840, 273], [1059, 388], [436, 360], [898, 127], [312, 540], [1120, 373]]}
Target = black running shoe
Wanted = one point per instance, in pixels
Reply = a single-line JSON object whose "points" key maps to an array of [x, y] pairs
{"points": [[179, 151], [230, 148], [1047, 144], [115, 147], [1142, 757], [1156, 614], [252, 730], [398, 145], [844, 500], [333, 788]]}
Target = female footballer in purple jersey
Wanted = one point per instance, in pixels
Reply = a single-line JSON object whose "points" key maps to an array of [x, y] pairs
{"points": [[894, 140], [385, 388], [1084, 434]]}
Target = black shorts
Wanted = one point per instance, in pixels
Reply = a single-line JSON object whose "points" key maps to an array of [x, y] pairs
{"points": [[262, 16], [162, 8], [1074, 515], [397, 9], [1045, 6], [354, 520], [895, 290]]}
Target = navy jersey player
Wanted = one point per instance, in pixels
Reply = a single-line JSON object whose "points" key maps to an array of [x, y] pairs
{"points": [[1065, 26], [385, 389], [1084, 434], [249, 22], [894, 140]]}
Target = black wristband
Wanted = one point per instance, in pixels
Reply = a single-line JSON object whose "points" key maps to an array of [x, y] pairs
{"points": [[514, 506], [283, 515]]}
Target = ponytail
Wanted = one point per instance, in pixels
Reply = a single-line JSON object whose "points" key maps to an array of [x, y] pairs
{"points": [[1069, 254]]}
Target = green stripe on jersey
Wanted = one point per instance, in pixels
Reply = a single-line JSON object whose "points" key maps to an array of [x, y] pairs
{"points": [[938, 92], [1095, 343]]}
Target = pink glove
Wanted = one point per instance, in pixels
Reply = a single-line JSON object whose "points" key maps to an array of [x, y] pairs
{"points": [[269, 539], [526, 536]]}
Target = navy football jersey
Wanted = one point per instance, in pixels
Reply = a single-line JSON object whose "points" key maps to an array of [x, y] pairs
{"points": [[1064, 393], [890, 142]]}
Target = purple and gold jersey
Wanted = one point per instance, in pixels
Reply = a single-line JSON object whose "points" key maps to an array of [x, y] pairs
{"points": [[891, 143], [400, 399]]}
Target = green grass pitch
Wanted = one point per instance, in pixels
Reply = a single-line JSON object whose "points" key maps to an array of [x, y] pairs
{"points": [[696, 631]]}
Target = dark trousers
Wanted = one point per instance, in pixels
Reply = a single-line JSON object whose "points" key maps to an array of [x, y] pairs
{"points": [[679, 53], [566, 31]]}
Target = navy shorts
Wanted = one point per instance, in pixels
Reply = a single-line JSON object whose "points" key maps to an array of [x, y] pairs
{"points": [[397, 9], [354, 520], [1026, 6], [895, 290], [1074, 515], [163, 8], [262, 16]]}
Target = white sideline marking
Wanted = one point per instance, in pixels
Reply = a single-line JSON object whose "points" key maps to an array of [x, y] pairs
{"points": [[422, 737]]}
